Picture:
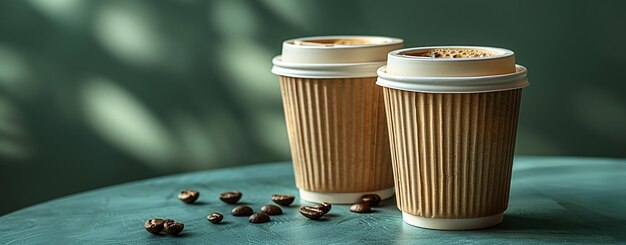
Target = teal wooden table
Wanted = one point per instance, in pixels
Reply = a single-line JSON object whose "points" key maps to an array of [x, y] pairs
{"points": [[580, 200]]}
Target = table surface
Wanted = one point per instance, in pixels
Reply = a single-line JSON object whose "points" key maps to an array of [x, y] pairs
{"points": [[580, 200]]}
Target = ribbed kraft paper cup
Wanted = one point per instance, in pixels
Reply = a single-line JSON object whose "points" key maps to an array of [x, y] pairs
{"points": [[335, 116], [452, 128]]}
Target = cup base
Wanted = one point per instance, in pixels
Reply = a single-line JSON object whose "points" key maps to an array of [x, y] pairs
{"points": [[342, 197], [453, 224]]}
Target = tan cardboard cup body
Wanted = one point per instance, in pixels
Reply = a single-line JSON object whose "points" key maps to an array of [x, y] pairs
{"points": [[452, 128], [335, 116]]}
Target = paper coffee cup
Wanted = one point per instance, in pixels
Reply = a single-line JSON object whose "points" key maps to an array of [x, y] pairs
{"points": [[452, 114], [335, 116]]}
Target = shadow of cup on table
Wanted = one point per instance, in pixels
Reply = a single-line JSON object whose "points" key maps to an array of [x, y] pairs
{"points": [[567, 200], [569, 223], [565, 225]]}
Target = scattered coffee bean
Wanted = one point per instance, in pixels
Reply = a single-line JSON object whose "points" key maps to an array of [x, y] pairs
{"points": [[215, 218], [242, 210], [260, 217], [172, 227], [321, 208], [361, 207], [311, 212], [154, 226], [372, 199], [188, 196], [271, 209], [231, 197], [324, 206], [283, 200]]}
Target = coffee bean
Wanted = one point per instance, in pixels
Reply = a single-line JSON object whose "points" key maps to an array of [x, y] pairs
{"points": [[172, 227], [242, 210], [361, 207], [154, 226], [215, 218], [321, 208], [231, 197], [188, 196], [283, 200], [260, 217], [271, 209], [324, 206], [311, 212], [372, 199]]}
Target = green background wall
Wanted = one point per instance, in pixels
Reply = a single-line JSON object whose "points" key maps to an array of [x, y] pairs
{"points": [[94, 93]]}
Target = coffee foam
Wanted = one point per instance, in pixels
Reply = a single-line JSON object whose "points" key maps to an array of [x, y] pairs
{"points": [[339, 42], [453, 53]]}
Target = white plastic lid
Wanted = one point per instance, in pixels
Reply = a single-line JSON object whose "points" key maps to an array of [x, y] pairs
{"points": [[334, 56], [414, 69]]}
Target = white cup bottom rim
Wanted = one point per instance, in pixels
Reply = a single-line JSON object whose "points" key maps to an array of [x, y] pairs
{"points": [[453, 224], [341, 197]]}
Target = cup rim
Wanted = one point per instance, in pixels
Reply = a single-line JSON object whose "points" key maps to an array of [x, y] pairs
{"points": [[392, 41], [334, 61], [400, 53], [470, 84], [325, 71]]}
